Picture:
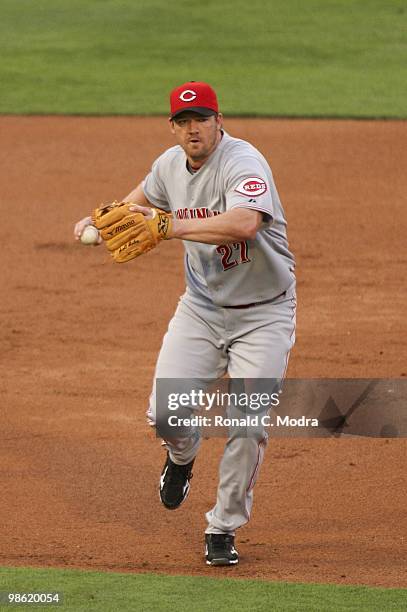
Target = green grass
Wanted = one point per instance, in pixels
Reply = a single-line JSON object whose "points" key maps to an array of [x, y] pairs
{"points": [[276, 57], [107, 592]]}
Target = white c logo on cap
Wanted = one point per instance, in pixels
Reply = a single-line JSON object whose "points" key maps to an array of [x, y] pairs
{"points": [[188, 95]]}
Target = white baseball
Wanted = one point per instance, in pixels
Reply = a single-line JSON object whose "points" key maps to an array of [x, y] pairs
{"points": [[90, 235]]}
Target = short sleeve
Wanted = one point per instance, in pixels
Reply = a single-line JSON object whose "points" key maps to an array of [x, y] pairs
{"points": [[250, 185], [154, 189]]}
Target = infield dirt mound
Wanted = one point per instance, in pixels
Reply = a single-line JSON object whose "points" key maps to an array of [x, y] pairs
{"points": [[79, 338]]}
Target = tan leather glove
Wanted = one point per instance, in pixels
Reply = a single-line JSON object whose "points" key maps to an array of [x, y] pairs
{"points": [[128, 234]]}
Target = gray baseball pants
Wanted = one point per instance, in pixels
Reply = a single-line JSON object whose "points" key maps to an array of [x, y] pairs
{"points": [[206, 341]]}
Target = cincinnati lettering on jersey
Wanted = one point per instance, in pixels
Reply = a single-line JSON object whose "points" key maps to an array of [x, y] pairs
{"points": [[196, 213]]}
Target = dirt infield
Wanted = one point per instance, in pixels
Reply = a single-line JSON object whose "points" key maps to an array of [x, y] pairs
{"points": [[79, 338]]}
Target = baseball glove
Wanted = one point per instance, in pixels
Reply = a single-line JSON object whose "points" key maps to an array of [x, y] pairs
{"points": [[128, 234]]}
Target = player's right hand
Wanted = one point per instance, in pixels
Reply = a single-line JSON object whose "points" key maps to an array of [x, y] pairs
{"points": [[80, 226]]}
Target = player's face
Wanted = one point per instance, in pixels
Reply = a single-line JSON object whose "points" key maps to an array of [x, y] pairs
{"points": [[197, 135]]}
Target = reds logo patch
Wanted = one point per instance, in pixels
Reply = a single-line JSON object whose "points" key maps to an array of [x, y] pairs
{"points": [[252, 186]]}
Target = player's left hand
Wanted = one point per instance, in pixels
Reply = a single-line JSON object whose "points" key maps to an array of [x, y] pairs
{"points": [[147, 211], [129, 232]]}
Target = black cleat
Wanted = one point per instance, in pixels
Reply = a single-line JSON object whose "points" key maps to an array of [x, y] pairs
{"points": [[220, 549], [174, 483]]}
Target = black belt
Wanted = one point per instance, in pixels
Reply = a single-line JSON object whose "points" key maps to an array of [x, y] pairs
{"points": [[258, 303]]}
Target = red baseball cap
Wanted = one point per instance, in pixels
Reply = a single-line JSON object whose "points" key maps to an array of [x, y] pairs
{"points": [[193, 96]]}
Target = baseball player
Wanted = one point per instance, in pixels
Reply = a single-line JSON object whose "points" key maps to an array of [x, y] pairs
{"points": [[216, 193]]}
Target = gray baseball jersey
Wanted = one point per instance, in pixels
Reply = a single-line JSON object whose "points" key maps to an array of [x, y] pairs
{"points": [[235, 175]]}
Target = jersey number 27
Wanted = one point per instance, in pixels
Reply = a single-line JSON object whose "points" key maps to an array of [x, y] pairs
{"points": [[233, 254]]}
